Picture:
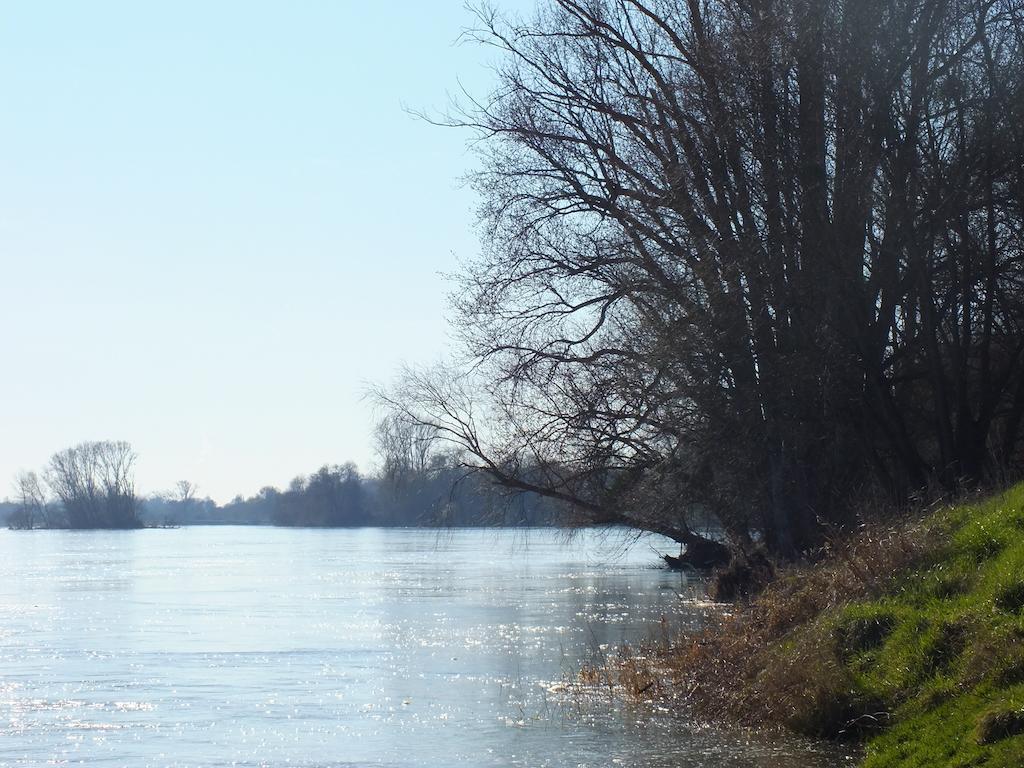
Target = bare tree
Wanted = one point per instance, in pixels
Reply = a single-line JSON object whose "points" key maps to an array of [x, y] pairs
{"points": [[94, 482], [403, 447], [744, 258], [32, 511], [185, 491]]}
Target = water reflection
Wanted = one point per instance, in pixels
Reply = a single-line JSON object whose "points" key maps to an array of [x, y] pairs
{"points": [[267, 647]]}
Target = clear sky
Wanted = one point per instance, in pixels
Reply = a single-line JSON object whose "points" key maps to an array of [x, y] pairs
{"points": [[218, 223]]}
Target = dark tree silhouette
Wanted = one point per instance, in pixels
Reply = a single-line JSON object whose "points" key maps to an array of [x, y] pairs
{"points": [[751, 258], [94, 483], [32, 510], [332, 496]]}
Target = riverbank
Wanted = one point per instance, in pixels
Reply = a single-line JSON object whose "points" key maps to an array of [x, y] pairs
{"points": [[909, 640]]}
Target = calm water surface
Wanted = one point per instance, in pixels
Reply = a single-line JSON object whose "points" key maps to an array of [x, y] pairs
{"points": [[276, 647]]}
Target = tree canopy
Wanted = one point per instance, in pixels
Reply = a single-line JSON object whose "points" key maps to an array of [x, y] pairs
{"points": [[753, 258], [90, 485]]}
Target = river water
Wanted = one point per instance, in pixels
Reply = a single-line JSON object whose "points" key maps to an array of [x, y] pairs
{"points": [[305, 648]]}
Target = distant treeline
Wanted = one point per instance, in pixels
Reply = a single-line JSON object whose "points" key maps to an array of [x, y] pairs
{"points": [[338, 496], [92, 486]]}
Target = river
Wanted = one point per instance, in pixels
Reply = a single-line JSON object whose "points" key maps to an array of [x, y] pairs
{"points": [[256, 646]]}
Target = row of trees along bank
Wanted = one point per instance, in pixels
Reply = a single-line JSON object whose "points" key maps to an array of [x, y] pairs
{"points": [[754, 258], [421, 483]]}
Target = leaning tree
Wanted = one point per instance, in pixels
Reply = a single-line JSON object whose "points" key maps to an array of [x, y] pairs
{"points": [[744, 258]]}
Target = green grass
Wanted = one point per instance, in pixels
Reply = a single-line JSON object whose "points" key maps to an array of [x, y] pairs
{"points": [[930, 672]]}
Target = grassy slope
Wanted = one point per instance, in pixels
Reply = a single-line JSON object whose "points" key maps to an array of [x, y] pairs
{"points": [[927, 664], [910, 639], [943, 649]]}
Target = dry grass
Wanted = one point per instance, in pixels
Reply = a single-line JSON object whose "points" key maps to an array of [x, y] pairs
{"points": [[635, 674], [732, 670]]}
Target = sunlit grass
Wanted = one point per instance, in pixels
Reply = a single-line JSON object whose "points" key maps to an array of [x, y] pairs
{"points": [[952, 671], [909, 639]]}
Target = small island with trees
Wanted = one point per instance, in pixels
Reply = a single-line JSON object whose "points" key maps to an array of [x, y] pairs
{"points": [[91, 485]]}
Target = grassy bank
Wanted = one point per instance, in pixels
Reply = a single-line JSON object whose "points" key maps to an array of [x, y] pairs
{"points": [[910, 639]]}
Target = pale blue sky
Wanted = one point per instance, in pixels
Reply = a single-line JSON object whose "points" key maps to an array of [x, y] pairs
{"points": [[217, 223]]}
